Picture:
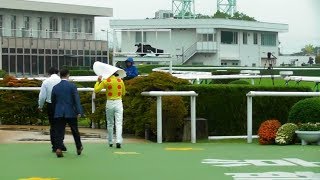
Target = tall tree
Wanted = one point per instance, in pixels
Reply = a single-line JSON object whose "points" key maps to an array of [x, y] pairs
{"points": [[308, 49]]}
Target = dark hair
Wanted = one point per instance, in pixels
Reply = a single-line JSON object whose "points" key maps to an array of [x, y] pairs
{"points": [[64, 73], [53, 70]]}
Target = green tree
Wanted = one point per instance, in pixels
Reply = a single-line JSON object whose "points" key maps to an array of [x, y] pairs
{"points": [[318, 59], [242, 16], [308, 49], [223, 15]]}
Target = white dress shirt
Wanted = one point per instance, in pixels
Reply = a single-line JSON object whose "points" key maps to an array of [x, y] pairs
{"points": [[46, 89]]}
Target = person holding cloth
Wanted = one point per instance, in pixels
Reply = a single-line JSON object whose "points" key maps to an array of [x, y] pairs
{"points": [[130, 69], [67, 109], [115, 89]]}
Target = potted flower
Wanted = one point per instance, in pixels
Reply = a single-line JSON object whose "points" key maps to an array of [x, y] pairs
{"points": [[309, 133]]}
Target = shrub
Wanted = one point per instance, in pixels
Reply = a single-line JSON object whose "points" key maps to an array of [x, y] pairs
{"points": [[267, 131], [307, 110], [173, 113], [82, 73], [309, 127], [286, 134], [225, 106], [317, 59], [18, 107], [239, 82], [2, 73]]}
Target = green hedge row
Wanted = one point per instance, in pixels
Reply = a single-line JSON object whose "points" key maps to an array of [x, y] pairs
{"points": [[2, 73], [224, 106], [82, 73]]}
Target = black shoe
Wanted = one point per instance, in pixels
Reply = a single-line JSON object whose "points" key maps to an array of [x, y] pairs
{"points": [[79, 151], [110, 145], [59, 153], [118, 145]]}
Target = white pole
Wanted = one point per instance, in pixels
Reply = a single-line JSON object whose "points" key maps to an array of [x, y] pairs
{"points": [[170, 67], [159, 120], [193, 119], [249, 119], [252, 81], [108, 47], [93, 108]]}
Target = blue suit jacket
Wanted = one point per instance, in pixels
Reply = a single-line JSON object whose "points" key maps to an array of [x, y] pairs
{"points": [[65, 100]]}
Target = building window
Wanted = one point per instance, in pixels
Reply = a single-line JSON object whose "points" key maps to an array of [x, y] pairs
{"points": [[224, 64], [77, 25], [245, 38], [255, 38], [26, 20], [268, 39], [207, 38], [53, 24], [89, 26], [39, 23], [65, 24], [139, 37], [234, 64], [229, 37], [13, 25]]}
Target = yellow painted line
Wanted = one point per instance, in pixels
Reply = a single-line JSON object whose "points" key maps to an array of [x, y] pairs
{"points": [[184, 149], [39, 178], [124, 153]]}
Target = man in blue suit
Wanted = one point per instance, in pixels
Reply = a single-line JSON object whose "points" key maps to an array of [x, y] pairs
{"points": [[67, 109]]}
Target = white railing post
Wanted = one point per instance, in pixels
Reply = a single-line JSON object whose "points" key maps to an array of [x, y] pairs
{"points": [[170, 66], [193, 119], [159, 119], [249, 119], [93, 108]]}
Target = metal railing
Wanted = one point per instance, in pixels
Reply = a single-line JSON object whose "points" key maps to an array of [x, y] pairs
{"points": [[30, 33], [188, 53]]}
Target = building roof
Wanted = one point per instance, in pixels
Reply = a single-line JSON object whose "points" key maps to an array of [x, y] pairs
{"points": [[56, 8], [197, 23]]}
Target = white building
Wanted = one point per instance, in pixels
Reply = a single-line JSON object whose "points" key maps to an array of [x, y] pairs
{"points": [[37, 35], [203, 41], [163, 14]]}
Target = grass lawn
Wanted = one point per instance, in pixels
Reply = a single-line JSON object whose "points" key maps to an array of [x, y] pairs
{"points": [[151, 161], [280, 82]]}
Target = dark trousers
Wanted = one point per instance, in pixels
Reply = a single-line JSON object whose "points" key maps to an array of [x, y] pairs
{"points": [[60, 126], [50, 111]]}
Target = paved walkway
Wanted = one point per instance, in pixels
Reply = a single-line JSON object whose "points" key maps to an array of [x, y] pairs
{"points": [[40, 134]]}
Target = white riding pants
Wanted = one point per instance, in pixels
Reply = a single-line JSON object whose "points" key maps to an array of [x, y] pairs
{"points": [[114, 111]]}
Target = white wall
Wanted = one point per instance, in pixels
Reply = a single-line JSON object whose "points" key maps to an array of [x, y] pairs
{"points": [[45, 19]]}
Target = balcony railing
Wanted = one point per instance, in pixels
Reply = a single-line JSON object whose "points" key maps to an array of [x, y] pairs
{"points": [[45, 34]]}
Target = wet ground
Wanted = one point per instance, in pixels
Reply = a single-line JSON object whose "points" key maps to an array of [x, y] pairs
{"points": [[40, 134]]}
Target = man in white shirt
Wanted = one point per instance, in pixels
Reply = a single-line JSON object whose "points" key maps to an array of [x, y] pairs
{"points": [[45, 96]]}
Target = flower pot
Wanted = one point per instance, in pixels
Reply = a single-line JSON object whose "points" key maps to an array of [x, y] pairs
{"points": [[309, 137]]}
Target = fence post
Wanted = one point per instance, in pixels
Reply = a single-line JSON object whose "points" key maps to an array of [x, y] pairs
{"points": [[249, 119]]}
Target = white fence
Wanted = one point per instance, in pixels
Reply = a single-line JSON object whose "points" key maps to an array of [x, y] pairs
{"points": [[252, 94]]}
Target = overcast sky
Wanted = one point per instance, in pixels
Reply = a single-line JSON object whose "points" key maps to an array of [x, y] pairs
{"points": [[303, 16]]}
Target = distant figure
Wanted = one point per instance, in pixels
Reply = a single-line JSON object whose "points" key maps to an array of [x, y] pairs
{"points": [[310, 61], [130, 69], [67, 109], [45, 96]]}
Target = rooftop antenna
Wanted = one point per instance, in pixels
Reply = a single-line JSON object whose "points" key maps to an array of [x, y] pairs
{"points": [[183, 9], [227, 6]]}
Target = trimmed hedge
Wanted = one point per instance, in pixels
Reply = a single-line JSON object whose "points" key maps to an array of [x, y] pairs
{"points": [[224, 106], [82, 73], [306, 110], [240, 82]]}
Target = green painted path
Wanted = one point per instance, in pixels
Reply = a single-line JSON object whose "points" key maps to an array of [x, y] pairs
{"points": [[150, 161]]}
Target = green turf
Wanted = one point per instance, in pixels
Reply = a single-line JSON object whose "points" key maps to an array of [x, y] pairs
{"points": [[22, 161], [280, 82]]}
